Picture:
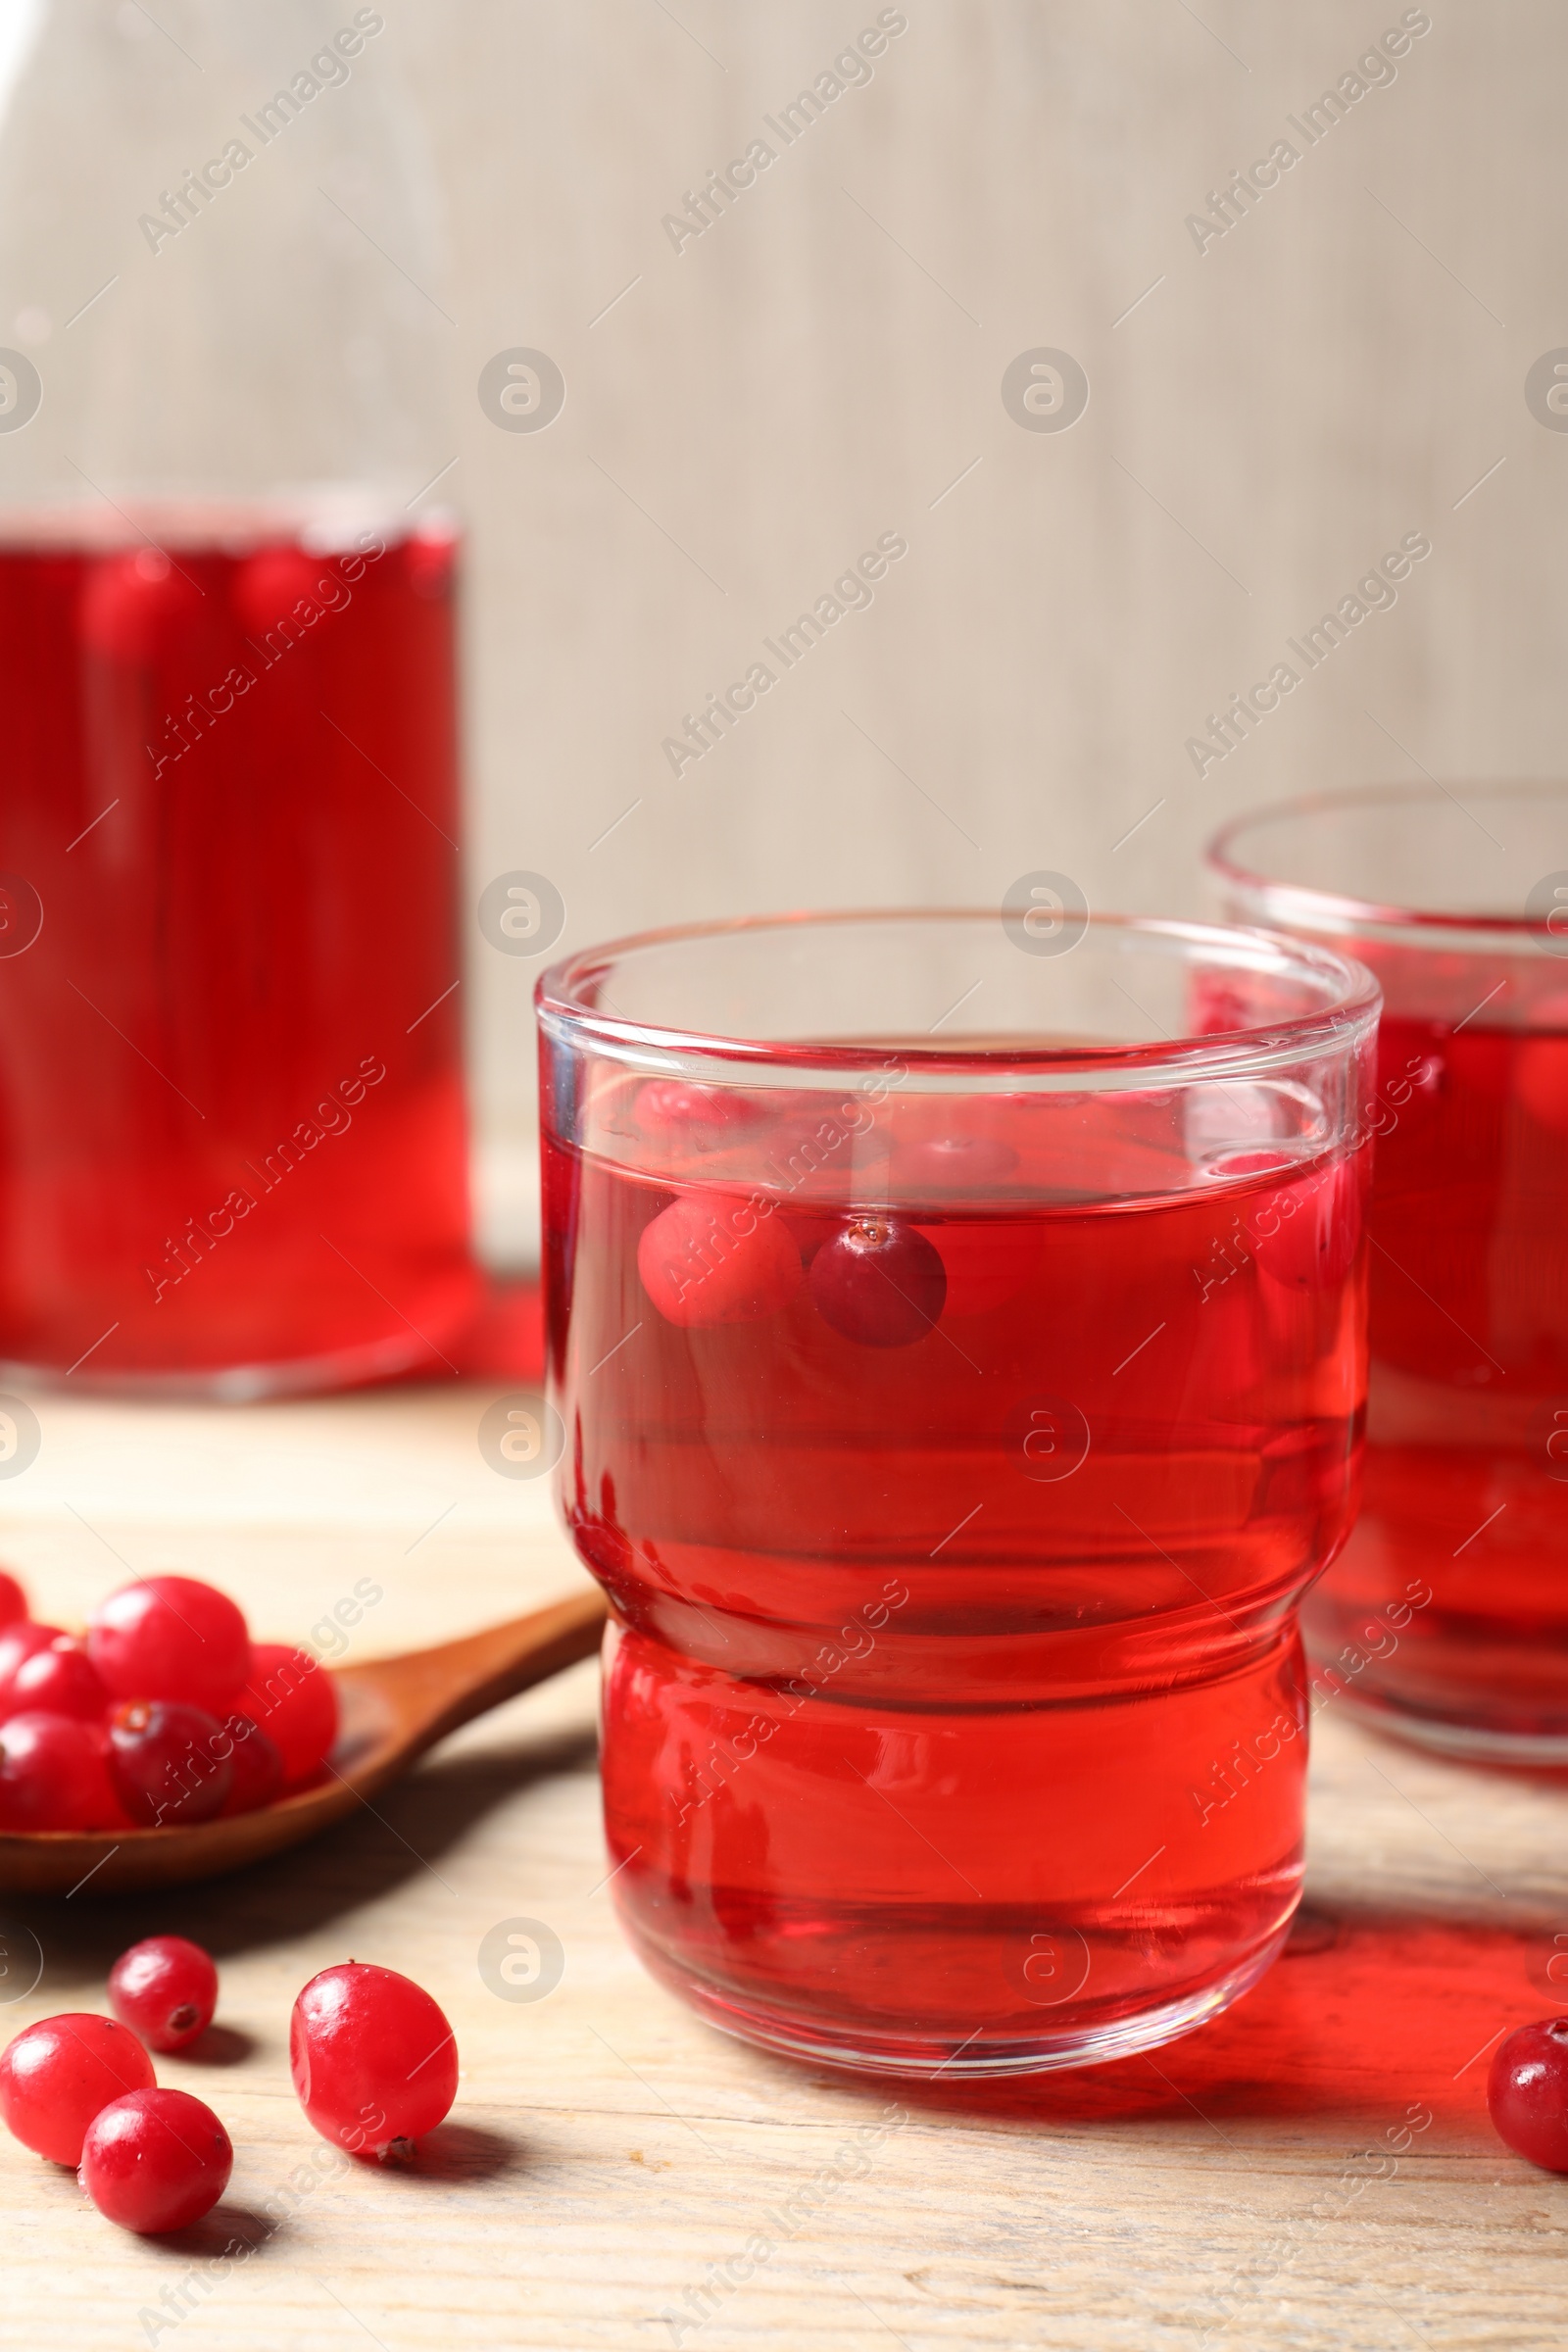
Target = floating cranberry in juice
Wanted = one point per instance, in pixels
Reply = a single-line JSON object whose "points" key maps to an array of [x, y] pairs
{"points": [[231, 1113], [954, 1499]]}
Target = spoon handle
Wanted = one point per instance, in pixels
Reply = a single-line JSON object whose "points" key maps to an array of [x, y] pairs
{"points": [[433, 1691]]}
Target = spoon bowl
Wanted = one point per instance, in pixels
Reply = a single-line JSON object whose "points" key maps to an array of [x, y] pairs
{"points": [[392, 1710]]}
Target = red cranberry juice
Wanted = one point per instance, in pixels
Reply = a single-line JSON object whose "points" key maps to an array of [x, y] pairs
{"points": [[958, 1696], [232, 1112], [1466, 1497]]}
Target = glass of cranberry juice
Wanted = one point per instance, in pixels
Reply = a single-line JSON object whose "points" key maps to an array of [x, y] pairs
{"points": [[1447, 1614], [955, 1339]]}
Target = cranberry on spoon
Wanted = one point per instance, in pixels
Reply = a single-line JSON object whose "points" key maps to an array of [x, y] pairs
{"points": [[172, 1763], [54, 1775], [170, 1636]]}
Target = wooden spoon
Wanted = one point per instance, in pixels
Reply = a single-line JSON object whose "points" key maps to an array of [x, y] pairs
{"points": [[392, 1710]]}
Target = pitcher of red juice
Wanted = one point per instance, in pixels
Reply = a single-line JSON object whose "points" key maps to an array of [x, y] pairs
{"points": [[1447, 1614], [232, 1133]]}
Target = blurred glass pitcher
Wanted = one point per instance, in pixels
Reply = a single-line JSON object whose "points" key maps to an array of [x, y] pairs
{"points": [[232, 1125]]}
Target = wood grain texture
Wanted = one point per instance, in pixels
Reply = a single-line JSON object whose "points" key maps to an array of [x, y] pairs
{"points": [[1315, 2169]]}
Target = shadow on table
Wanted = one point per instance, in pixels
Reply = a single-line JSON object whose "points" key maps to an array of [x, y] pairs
{"points": [[403, 1835], [1375, 2024]]}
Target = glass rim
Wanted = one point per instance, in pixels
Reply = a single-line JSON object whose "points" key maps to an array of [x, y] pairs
{"points": [[1341, 912], [1354, 1001]]}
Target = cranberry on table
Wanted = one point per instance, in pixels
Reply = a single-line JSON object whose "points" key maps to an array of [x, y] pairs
{"points": [[170, 1636], [59, 1679], [879, 1283], [373, 2057], [165, 1989], [171, 1763], [13, 1599], [156, 2160], [58, 2074], [54, 1775], [711, 1257], [256, 1768], [294, 1701], [1527, 2092]]}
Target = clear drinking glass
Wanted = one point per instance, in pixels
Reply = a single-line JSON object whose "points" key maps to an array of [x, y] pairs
{"points": [[1447, 1611], [955, 1330]]}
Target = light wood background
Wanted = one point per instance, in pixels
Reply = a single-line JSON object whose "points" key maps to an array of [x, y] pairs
{"points": [[1315, 2169]]}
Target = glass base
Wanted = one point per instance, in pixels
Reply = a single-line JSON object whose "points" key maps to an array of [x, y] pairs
{"points": [[1469, 1743], [934, 2059]]}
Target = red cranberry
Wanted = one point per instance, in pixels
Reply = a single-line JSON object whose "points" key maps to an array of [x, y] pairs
{"points": [[58, 1680], [706, 1116], [156, 2160], [294, 1700], [169, 1636], [58, 2074], [1527, 2092], [54, 1775], [879, 1283], [255, 1766], [13, 1599], [268, 586], [711, 1257], [138, 605], [19, 1642], [171, 1763], [373, 2059], [164, 1990]]}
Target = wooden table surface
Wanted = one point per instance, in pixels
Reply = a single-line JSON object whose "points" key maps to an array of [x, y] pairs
{"points": [[1316, 2169]]}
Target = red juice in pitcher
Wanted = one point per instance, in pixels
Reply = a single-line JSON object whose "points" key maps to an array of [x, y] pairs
{"points": [[232, 1147], [954, 1468]]}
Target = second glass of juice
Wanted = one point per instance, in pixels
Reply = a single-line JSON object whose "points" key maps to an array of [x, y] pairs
{"points": [[1447, 1614], [956, 1343]]}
